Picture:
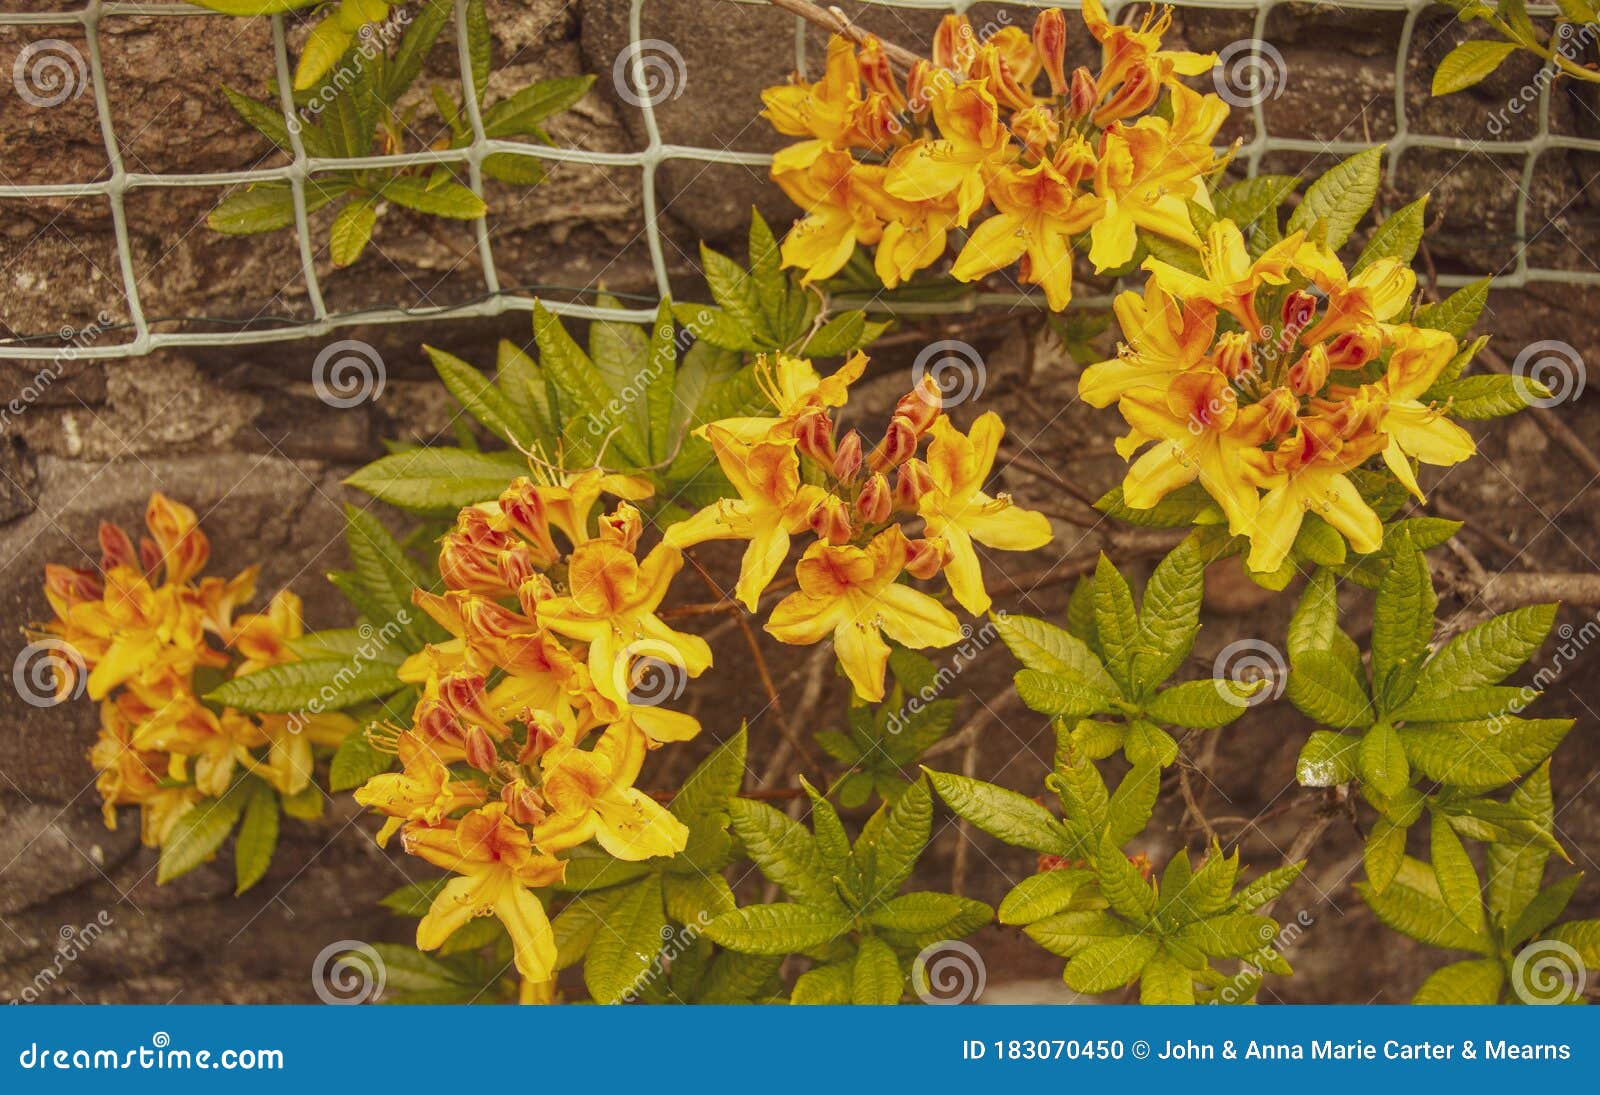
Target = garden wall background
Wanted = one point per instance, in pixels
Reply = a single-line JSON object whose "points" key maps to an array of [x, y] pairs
{"points": [[240, 435]]}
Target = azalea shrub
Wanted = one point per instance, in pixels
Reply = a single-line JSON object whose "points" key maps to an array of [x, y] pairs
{"points": [[517, 686]]}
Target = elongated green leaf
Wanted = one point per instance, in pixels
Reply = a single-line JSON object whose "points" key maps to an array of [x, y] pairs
{"points": [[438, 481], [1456, 313], [785, 852], [436, 197], [777, 929], [1202, 705], [258, 837], [1041, 895], [1322, 686], [1328, 759], [1053, 651], [1398, 237], [1116, 623], [1341, 197], [620, 957], [330, 684], [1475, 981], [1011, 817], [1109, 964], [1468, 64], [481, 399], [200, 831], [1064, 697]]}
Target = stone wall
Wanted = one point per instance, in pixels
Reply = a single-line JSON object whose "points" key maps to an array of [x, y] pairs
{"points": [[240, 435]]}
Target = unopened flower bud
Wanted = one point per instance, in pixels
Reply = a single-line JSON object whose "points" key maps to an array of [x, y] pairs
{"points": [[1050, 40], [875, 501], [436, 724], [1281, 409], [955, 44], [813, 432], [1136, 94], [1298, 309], [876, 74], [831, 521], [1352, 349], [926, 557], [516, 566], [116, 549], [912, 481], [523, 803], [149, 555], [1084, 94], [899, 444], [72, 586], [524, 510], [847, 461], [542, 734], [921, 406], [917, 99], [534, 592], [1234, 356], [481, 751], [1310, 373], [466, 697]]}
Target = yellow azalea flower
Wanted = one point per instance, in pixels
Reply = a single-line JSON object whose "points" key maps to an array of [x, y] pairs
{"points": [[1040, 210], [1149, 172], [423, 790], [914, 238], [289, 762], [851, 593], [1125, 48], [498, 864], [793, 386], [958, 511], [1413, 428], [1230, 277], [176, 530], [263, 639], [137, 632], [1308, 474], [590, 794], [127, 775], [824, 109], [773, 504], [611, 605], [836, 193], [1373, 295], [972, 144], [1164, 337], [570, 497], [1200, 431]]}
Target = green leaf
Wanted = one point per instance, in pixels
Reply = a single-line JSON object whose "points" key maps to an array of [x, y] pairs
{"points": [[351, 231], [1169, 616], [621, 954], [1064, 697], [1486, 654], [1128, 811], [1398, 237], [777, 929], [1382, 760], [925, 914], [1052, 650], [1328, 759], [1322, 686], [438, 197], [1202, 705], [1130, 896], [1476, 703], [258, 837], [438, 481], [406, 969], [1041, 895], [329, 684], [413, 898], [264, 207], [734, 290], [715, 781], [1488, 395], [1582, 936], [480, 398], [843, 334], [876, 978], [1383, 853], [1165, 980], [590, 869], [1545, 909], [1230, 935], [1067, 933], [1147, 745], [1011, 817], [355, 762], [1267, 888], [583, 394], [1411, 905], [521, 113], [1458, 879], [892, 840], [1469, 63], [1402, 624], [1341, 197], [1116, 624], [1475, 981], [1456, 313], [266, 120], [1109, 964], [200, 831], [785, 853]]}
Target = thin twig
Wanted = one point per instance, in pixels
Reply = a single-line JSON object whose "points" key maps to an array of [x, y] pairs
{"points": [[836, 22]]}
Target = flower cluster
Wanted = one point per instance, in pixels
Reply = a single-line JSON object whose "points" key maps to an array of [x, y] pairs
{"points": [[1271, 414], [532, 724], [794, 475], [899, 164], [144, 629]]}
